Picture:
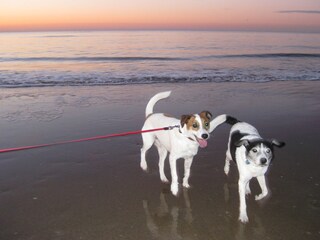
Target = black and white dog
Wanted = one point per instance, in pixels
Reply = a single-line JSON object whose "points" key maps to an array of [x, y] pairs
{"points": [[252, 155]]}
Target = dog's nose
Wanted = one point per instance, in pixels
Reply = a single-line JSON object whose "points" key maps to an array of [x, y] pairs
{"points": [[204, 136], [263, 160]]}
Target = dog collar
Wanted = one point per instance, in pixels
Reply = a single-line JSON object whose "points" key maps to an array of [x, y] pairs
{"points": [[186, 137], [191, 139]]}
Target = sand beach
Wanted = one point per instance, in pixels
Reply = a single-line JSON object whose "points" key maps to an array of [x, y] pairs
{"points": [[96, 190]]}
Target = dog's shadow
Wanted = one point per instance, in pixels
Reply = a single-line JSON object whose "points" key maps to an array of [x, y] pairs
{"points": [[164, 221]]}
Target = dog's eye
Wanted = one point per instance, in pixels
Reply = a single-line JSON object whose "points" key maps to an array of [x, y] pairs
{"points": [[254, 150], [268, 150], [206, 124], [195, 125]]}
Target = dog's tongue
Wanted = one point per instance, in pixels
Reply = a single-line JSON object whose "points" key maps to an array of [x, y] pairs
{"points": [[203, 143]]}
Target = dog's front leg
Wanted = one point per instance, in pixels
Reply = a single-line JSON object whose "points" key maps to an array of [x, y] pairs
{"points": [[248, 190], [263, 185], [243, 217], [187, 166], [174, 175]]}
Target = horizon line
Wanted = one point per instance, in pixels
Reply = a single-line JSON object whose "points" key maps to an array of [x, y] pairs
{"points": [[75, 29]]}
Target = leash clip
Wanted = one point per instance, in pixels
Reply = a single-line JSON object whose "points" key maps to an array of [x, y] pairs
{"points": [[171, 127]]}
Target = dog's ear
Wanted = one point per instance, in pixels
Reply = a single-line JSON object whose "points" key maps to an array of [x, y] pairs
{"points": [[206, 114], [277, 143], [184, 119], [240, 143]]}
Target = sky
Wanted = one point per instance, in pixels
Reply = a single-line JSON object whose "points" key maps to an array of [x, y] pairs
{"points": [[252, 15]]}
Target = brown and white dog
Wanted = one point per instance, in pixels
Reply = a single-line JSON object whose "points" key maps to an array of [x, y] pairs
{"points": [[181, 142]]}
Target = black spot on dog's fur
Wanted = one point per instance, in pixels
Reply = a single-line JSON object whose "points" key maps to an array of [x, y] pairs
{"points": [[235, 137], [231, 120]]}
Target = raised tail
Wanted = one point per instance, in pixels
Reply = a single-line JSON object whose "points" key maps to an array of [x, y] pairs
{"points": [[154, 100], [223, 118]]}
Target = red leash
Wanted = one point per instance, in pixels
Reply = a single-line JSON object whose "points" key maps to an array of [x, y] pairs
{"points": [[85, 139]]}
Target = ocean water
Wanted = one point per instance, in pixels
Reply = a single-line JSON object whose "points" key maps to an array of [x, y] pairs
{"points": [[141, 57]]}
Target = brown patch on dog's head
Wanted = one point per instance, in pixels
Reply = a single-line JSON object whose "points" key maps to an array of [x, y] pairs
{"points": [[184, 119], [206, 117], [190, 121]]}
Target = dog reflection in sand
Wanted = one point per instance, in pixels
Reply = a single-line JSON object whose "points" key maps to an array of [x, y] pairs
{"points": [[256, 230], [163, 223]]}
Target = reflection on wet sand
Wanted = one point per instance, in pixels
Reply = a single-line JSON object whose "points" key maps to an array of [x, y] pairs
{"points": [[256, 227], [95, 190], [166, 220], [163, 222]]}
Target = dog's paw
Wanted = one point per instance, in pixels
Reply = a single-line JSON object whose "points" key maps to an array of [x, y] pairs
{"points": [[164, 179], [226, 170], [144, 166], [186, 185], [260, 196], [243, 218], [174, 189]]}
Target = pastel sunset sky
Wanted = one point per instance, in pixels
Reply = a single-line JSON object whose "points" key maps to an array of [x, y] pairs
{"points": [[270, 15]]}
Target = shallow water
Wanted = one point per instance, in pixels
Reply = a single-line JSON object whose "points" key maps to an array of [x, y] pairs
{"points": [[141, 57], [96, 190]]}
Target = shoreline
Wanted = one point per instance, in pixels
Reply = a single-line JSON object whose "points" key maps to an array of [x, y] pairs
{"points": [[96, 190], [40, 86]]}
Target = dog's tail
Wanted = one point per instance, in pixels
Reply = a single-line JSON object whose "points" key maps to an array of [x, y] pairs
{"points": [[223, 118], [154, 100]]}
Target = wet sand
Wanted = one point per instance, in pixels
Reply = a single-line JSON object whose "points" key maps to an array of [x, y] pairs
{"points": [[96, 190]]}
